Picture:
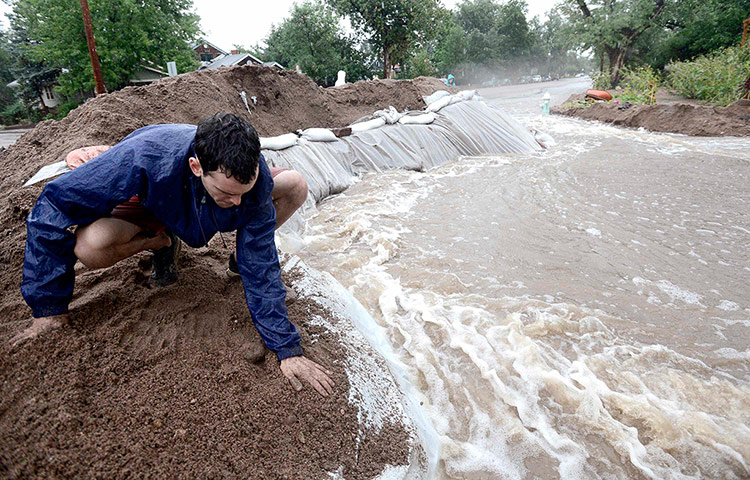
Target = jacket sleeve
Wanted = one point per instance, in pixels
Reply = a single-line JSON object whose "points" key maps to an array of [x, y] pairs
{"points": [[79, 197], [259, 267]]}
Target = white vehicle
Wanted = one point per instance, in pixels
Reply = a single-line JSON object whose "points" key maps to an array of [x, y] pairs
{"points": [[536, 78]]}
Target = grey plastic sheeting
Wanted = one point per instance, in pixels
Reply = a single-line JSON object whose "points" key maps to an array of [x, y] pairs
{"points": [[464, 128]]}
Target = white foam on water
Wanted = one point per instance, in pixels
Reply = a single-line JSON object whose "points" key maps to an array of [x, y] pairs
{"points": [[728, 306]]}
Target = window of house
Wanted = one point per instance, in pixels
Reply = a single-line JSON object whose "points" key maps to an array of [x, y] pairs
{"points": [[206, 57]]}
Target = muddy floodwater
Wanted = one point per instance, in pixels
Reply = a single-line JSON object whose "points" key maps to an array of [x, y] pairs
{"points": [[582, 312]]}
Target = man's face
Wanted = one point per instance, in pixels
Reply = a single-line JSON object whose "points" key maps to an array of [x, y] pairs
{"points": [[226, 191]]}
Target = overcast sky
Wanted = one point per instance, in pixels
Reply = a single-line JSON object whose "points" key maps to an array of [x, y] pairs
{"points": [[230, 22]]}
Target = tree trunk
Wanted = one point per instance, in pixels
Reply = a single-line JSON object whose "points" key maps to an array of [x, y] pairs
{"points": [[386, 63], [616, 61]]}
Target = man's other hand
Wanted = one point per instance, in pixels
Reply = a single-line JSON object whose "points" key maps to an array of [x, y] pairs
{"points": [[301, 368], [40, 325]]}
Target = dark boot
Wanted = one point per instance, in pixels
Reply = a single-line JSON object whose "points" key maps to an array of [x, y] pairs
{"points": [[164, 270]]}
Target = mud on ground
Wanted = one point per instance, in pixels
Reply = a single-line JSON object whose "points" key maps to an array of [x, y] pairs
{"points": [[175, 382], [688, 119]]}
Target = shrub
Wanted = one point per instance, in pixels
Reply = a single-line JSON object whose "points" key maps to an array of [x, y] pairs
{"points": [[601, 80], [717, 78], [639, 85], [13, 113]]}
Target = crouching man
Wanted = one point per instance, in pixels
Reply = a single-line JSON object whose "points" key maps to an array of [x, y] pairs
{"points": [[164, 183]]}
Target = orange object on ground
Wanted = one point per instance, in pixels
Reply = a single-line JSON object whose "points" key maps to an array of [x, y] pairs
{"points": [[78, 157], [599, 94]]}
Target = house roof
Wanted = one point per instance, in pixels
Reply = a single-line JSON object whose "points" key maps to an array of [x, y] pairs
{"points": [[273, 64], [202, 41], [229, 60]]}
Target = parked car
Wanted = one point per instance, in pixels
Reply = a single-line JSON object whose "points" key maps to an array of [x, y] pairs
{"points": [[536, 78]]}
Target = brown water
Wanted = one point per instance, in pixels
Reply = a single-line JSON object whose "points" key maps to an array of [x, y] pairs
{"points": [[577, 313]]}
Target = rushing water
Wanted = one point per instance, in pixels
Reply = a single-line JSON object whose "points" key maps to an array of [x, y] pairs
{"points": [[581, 312]]}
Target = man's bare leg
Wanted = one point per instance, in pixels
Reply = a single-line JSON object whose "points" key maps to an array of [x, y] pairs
{"points": [[110, 240], [289, 193], [99, 245]]}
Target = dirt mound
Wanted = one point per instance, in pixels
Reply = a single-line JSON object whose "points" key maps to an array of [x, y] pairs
{"points": [[697, 120], [278, 102], [175, 382]]}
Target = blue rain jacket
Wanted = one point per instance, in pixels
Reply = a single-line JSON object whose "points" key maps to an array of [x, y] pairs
{"points": [[152, 162]]}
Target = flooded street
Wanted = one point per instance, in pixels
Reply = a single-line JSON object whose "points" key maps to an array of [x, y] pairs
{"points": [[581, 312]]}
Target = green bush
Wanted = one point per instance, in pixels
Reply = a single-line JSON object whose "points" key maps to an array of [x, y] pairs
{"points": [[717, 78], [601, 81], [638, 85], [13, 113]]}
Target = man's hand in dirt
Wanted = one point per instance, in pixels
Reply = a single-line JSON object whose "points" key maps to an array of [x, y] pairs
{"points": [[301, 368], [40, 325]]}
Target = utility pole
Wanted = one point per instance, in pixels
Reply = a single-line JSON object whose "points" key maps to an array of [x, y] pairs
{"points": [[92, 48]]}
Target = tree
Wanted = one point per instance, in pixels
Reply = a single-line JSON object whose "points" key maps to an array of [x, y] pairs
{"points": [[393, 27], [313, 39], [129, 33], [7, 97], [610, 27], [694, 27]]}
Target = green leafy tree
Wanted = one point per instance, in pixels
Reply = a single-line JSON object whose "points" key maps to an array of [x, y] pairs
{"points": [[313, 39], [610, 27], [396, 28], [691, 28], [7, 96], [129, 33], [451, 46]]}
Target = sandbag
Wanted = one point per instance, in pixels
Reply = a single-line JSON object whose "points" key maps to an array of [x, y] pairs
{"points": [[368, 125], [466, 94], [318, 135], [422, 119], [438, 104], [543, 139], [390, 115], [279, 142], [437, 95]]}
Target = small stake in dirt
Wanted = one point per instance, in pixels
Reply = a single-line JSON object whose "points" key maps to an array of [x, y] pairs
{"points": [[92, 47]]}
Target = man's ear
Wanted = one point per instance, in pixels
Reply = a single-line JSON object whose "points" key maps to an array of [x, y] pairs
{"points": [[195, 166]]}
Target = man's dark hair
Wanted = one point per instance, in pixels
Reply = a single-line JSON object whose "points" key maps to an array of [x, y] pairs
{"points": [[228, 143]]}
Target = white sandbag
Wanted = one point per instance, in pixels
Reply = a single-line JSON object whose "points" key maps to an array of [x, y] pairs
{"points": [[279, 142], [341, 80], [48, 171], [543, 139], [424, 119], [466, 94], [368, 125], [318, 135], [390, 115], [437, 95], [438, 104]]}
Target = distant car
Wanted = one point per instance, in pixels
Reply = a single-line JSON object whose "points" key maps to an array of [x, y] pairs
{"points": [[580, 74], [492, 82], [536, 78]]}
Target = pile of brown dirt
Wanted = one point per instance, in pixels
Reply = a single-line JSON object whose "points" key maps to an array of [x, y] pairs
{"points": [[175, 381], [697, 120], [284, 102]]}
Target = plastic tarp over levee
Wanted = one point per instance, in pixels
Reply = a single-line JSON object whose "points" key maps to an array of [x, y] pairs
{"points": [[464, 128]]}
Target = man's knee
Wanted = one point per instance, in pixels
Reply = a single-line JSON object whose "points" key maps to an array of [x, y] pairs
{"points": [[95, 242], [290, 188], [90, 243], [299, 190]]}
